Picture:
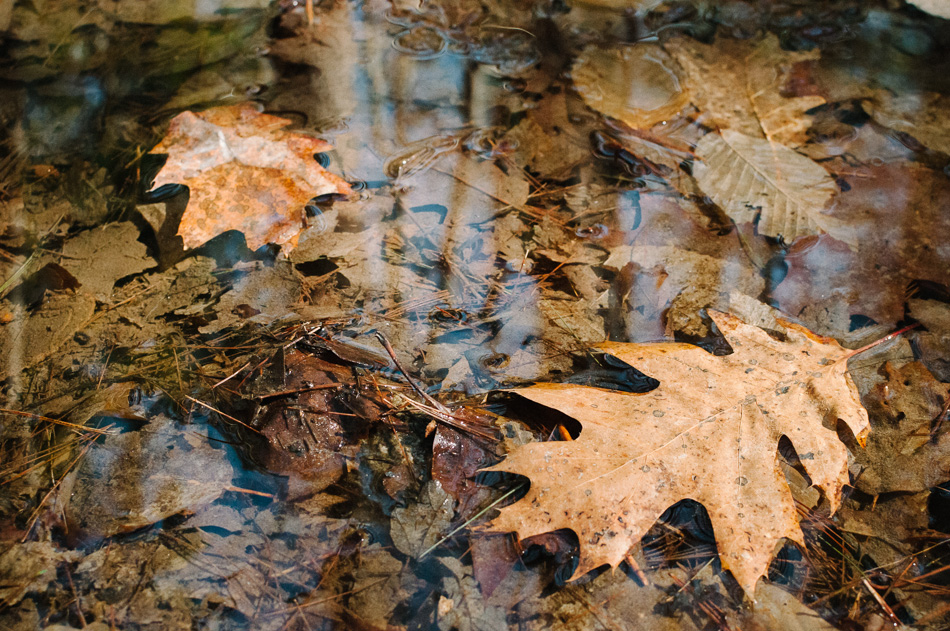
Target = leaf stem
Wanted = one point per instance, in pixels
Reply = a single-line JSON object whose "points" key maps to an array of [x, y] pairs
{"points": [[886, 338]]}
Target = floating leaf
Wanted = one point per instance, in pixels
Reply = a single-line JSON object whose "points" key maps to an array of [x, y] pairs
{"points": [[245, 172], [709, 432]]}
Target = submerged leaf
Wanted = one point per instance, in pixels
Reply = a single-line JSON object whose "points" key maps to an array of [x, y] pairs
{"points": [[755, 181], [741, 85], [634, 84], [419, 526], [921, 115]]}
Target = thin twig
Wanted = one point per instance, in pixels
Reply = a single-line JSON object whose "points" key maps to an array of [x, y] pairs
{"points": [[422, 393]]}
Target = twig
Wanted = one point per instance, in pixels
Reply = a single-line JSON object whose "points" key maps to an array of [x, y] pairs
{"points": [[323, 386], [422, 393], [55, 421], [16, 275], [886, 338]]}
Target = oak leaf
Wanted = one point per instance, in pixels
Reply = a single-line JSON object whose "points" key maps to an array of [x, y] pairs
{"points": [[709, 432], [244, 172]]}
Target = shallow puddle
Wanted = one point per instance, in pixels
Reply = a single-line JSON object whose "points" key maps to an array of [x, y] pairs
{"points": [[269, 400]]}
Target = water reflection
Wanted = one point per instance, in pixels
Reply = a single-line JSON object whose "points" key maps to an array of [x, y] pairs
{"points": [[523, 189]]}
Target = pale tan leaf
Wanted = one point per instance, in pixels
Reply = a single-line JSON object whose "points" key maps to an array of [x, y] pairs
{"points": [[709, 432], [638, 84], [940, 8], [739, 85], [755, 181]]}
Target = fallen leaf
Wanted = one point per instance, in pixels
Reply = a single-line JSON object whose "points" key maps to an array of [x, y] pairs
{"points": [[550, 153], [420, 525], [29, 567], [921, 115], [775, 608], [30, 339], [380, 586], [901, 455], [638, 85], [138, 478], [456, 459], [245, 172], [741, 85], [101, 256], [680, 283], [770, 185], [461, 607], [940, 8], [264, 295], [933, 343], [709, 433]]}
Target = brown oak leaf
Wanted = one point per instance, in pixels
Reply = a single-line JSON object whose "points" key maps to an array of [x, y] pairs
{"points": [[244, 172], [709, 432]]}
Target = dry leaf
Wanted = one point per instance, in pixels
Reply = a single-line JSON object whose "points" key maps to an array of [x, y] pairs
{"points": [[245, 172], [634, 84], [940, 8], [709, 432], [756, 181]]}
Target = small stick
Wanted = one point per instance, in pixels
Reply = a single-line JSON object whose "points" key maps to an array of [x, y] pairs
{"points": [[216, 411], [471, 519], [636, 569], [324, 386], [238, 489], [72, 586], [55, 421]]}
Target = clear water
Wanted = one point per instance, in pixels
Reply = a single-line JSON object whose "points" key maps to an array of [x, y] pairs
{"points": [[217, 439]]}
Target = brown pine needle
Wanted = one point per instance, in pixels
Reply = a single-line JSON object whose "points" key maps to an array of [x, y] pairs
{"points": [[220, 413], [55, 421], [886, 338]]}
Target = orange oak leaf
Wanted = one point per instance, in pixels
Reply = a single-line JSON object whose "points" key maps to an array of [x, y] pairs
{"points": [[709, 432], [244, 172]]}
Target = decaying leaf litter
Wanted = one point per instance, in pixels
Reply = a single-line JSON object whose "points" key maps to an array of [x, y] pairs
{"points": [[203, 428]]}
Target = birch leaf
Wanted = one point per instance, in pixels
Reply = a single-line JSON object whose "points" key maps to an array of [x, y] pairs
{"points": [[755, 181]]}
